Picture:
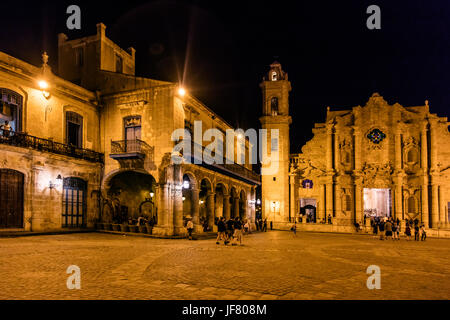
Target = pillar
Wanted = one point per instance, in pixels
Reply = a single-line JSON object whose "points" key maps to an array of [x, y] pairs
{"points": [[226, 206], [210, 204], [442, 208], [292, 197], [329, 200], [236, 207], [178, 208], [398, 148], [424, 165], [398, 198], [321, 213], [357, 149], [195, 194], [329, 150], [434, 205], [358, 203], [337, 201]]}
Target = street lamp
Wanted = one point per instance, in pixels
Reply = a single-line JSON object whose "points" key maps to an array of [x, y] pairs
{"points": [[43, 85], [181, 92]]}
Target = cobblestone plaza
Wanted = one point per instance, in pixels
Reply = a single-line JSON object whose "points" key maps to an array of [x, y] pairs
{"points": [[272, 265]]}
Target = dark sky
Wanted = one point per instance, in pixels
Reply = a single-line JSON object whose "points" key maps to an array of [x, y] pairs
{"points": [[223, 48]]}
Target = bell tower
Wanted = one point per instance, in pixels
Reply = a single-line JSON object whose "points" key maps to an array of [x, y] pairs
{"points": [[275, 175]]}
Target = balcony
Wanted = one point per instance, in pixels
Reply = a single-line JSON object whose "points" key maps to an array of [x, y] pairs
{"points": [[23, 140], [130, 149]]}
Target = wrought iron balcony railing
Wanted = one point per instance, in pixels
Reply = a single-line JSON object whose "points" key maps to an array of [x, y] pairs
{"points": [[24, 140], [130, 149]]}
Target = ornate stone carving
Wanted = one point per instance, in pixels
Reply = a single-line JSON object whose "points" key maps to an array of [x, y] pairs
{"points": [[377, 175]]}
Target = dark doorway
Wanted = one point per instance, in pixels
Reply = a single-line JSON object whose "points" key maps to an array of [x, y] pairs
{"points": [[11, 199], [74, 203]]}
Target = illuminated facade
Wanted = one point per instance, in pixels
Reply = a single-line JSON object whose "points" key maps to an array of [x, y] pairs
{"points": [[93, 144]]}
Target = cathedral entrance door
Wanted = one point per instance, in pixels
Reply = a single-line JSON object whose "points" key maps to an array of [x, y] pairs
{"points": [[308, 209], [377, 202]]}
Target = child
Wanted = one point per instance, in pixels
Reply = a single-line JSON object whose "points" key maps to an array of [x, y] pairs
{"points": [[408, 232]]}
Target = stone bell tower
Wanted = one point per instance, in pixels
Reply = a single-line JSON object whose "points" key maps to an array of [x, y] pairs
{"points": [[275, 175]]}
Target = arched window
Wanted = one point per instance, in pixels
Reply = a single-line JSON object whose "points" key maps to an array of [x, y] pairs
{"points": [[348, 202], [274, 76], [411, 204], [74, 129], [347, 157], [274, 105]]}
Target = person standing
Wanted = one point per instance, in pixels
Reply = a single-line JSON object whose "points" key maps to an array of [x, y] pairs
{"points": [[416, 232], [6, 129], [381, 229], [190, 228], [221, 229], [423, 233], [388, 228], [265, 225], [408, 232], [230, 230]]}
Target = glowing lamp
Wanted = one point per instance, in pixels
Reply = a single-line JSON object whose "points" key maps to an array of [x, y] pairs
{"points": [[181, 92]]}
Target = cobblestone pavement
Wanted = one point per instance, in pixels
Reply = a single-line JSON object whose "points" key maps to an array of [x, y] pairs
{"points": [[272, 265]]}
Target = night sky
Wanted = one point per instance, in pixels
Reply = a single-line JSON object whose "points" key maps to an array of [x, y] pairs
{"points": [[222, 49]]}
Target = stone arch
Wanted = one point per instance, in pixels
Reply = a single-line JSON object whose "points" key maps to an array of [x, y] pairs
{"points": [[131, 193], [206, 202], [189, 195], [220, 193], [234, 208]]}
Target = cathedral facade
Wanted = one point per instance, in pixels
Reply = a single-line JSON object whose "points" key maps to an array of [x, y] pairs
{"points": [[92, 142], [377, 160]]}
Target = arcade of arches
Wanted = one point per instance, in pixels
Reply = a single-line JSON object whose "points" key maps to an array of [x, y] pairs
{"points": [[191, 193]]}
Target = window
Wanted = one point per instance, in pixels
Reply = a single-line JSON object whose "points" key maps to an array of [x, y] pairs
{"points": [[307, 184], [11, 109], [132, 128], [274, 76], [74, 129], [376, 136], [119, 64], [274, 105], [74, 203]]}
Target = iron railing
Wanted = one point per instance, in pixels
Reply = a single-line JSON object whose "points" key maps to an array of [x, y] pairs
{"points": [[23, 140], [131, 146]]}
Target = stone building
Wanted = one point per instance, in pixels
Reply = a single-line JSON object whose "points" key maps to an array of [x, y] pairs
{"points": [[93, 142], [373, 160]]}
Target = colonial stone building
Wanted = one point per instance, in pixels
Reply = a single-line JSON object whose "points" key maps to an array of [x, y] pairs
{"points": [[93, 142], [372, 160]]}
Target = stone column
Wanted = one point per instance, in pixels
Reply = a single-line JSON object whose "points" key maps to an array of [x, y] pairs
{"points": [[165, 212], [253, 205], [337, 201], [329, 150], [357, 149], [195, 193], [210, 204], [358, 203], [434, 204], [337, 155], [236, 206], [433, 146], [321, 212], [398, 198], [292, 193], [424, 165], [398, 148], [178, 209], [329, 199], [442, 208], [226, 206]]}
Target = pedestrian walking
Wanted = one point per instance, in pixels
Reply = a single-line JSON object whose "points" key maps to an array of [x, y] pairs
{"points": [[221, 229], [265, 225], [190, 228], [381, 229], [237, 232]]}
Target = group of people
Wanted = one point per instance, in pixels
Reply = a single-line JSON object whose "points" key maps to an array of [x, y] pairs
{"points": [[388, 228], [261, 225], [231, 231]]}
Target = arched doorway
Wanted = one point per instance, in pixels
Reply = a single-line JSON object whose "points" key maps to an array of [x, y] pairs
{"points": [[188, 193], [11, 198], [133, 195]]}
